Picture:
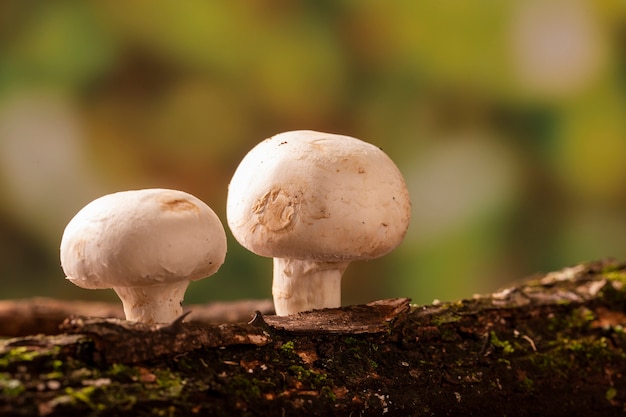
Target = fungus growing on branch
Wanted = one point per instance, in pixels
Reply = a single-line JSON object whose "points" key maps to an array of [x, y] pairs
{"points": [[145, 244], [315, 202]]}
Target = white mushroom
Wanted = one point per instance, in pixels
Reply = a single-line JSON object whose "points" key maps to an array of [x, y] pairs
{"points": [[145, 244], [315, 202]]}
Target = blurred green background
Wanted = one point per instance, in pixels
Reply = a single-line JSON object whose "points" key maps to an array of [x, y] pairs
{"points": [[507, 120]]}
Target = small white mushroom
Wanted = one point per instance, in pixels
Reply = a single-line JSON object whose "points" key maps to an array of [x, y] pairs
{"points": [[315, 202], [145, 244]]}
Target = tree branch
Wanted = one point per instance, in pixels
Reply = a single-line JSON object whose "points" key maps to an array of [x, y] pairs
{"points": [[45, 315], [551, 346]]}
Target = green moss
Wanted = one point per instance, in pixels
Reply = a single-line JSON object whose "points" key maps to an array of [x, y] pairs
{"points": [[357, 354], [84, 395], [448, 333], [315, 380], [592, 349], [527, 384], [448, 316], [328, 393], [54, 375], [577, 318], [118, 369], [553, 362], [130, 386], [581, 317], [122, 399], [169, 382], [9, 386], [503, 361], [611, 393], [565, 356], [287, 347], [350, 340], [44, 359], [24, 354], [615, 276], [503, 345], [245, 387]]}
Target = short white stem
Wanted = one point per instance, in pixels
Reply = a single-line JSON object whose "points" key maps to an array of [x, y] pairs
{"points": [[306, 285], [153, 304]]}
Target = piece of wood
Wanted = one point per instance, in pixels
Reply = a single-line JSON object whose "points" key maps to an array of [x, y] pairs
{"points": [[45, 315], [554, 345]]}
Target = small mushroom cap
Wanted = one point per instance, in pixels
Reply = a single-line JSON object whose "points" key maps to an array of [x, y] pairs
{"points": [[140, 238], [318, 196]]}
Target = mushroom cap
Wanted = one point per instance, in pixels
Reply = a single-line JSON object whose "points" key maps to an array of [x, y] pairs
{"points": [[318, 196], [141, 238]]}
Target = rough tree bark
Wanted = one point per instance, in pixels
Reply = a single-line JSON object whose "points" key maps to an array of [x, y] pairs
{"points": [[554, 345]]}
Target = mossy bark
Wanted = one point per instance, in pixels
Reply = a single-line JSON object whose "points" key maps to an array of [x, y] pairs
{"points": [[554, 345]]}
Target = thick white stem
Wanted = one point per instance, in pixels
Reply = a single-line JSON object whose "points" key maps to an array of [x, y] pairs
{"points": [[154, 304], [306, 285]]}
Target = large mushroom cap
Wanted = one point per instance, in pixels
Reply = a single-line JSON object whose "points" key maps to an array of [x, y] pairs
{"points": [[142, 237], [318, 196]]}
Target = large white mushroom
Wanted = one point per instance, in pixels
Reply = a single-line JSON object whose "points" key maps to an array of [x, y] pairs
{"points": [[145, 244], [315, 202]]}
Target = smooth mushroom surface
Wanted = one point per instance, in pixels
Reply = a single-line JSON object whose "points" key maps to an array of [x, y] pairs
{"points": [[147, 245], [315, 202]]}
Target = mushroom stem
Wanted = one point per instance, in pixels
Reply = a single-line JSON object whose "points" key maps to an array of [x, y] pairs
{"points": [[301, 285], [153, 304]]}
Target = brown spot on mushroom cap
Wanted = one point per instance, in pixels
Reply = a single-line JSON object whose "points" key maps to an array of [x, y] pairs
{"points": [[179, 204], [277, 209]]}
